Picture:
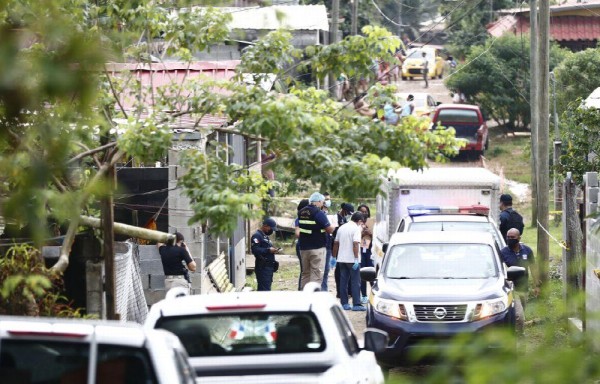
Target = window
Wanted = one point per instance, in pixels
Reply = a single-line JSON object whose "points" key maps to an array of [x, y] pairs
{"points": [[345, 331], [246, 333], [118, 364], [458, 115], [456, 226], [34, 361]]}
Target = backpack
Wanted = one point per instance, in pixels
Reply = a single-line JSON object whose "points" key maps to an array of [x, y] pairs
{"points": [[515, 220]]}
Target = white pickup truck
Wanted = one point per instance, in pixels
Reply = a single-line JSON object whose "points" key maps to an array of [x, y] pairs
{"points": [[270, 337], [49, 350]]}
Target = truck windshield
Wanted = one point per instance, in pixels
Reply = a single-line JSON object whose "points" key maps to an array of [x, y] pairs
{"points": [[441, 261], [246, 333]]}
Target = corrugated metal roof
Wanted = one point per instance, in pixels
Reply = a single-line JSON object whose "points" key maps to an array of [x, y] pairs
{"points": [[170, 73], [562, 28], [588, 5], [293, 17]]}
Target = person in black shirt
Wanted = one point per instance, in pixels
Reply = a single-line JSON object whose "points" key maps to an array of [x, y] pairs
{"points": [[264, 251], [175, 256]]}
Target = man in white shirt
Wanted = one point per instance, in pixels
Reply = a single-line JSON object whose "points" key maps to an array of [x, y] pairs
{"points": [[346, 252]]}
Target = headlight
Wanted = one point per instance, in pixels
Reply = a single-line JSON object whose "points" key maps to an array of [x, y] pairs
{"points": [[390, 308], [491, 307]]}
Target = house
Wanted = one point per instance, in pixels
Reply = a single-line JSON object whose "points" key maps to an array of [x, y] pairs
{"points": [[308, 25], [573, 24]]}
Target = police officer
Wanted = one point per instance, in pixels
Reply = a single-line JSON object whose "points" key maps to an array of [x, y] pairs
{"points": [[518, 254], [313, 225], [263, 250], [509, 218]]}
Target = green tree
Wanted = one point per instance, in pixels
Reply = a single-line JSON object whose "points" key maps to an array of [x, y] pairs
{"points": [[576, 77], [466, 22], [580, 131], [496, 77], [64, 123]]}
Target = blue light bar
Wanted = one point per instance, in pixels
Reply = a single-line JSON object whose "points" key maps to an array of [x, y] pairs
{"points": [[416, 210]]}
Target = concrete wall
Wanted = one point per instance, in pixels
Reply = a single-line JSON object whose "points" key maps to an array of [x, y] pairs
{"points": [[592, 256]]}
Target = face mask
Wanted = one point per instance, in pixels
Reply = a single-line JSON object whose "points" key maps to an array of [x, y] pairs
{"points": [[269, 232], [348, 217], [328, 203], [512, 242]]}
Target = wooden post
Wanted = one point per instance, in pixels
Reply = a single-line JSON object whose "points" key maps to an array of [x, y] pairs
{"points": [[108, 249], [533, 102], [354, 26], [543, 136], [333, 38]]}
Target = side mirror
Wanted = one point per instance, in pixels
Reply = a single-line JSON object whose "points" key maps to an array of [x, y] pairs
{"points": [[376, 340], [438, 103], [384, 247], [368, 274]]}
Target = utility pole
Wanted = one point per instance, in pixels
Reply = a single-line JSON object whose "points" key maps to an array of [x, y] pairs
{"points": [[108, 248], [533, 104], [557, 148], [543, 140], [354, 27], [333, 38], [400, 23]]}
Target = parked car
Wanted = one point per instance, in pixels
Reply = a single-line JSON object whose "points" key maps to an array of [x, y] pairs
{"points": [[468, 122], [435, 285], [414, 62], [436, 218], [424, 103], [47, 350], [270, 337]]}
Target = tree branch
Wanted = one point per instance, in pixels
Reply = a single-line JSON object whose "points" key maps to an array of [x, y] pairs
{"points": [[92, 151], [114, 92], [65, 250]]}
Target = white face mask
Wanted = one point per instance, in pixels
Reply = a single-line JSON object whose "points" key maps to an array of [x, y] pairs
{"points": [[328, 203]]}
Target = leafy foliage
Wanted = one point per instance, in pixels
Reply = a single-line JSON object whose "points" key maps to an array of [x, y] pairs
{"points": [[466, 22], [57, 119], [580, 129], [577, 76], [28, 288], [496, 77]]}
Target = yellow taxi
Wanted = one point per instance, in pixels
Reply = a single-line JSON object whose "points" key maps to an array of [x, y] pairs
{"points": [[414, 62]]}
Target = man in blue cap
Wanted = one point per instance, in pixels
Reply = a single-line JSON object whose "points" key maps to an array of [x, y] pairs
{"points": [[262, 248], [313, 225]]}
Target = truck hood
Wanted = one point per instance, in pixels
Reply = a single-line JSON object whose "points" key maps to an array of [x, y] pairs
{"points": [[440, 290]]}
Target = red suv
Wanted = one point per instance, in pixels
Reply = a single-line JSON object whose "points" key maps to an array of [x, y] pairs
{"points": [[467, 120]]}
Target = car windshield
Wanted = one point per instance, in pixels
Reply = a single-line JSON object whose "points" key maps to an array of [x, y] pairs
{"points": [[246, 333], [440, 261], [418, 54], [458, 115], [457, 226]]}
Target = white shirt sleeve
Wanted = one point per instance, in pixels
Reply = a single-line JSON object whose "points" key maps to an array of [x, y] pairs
{"points": [[356, 237]]}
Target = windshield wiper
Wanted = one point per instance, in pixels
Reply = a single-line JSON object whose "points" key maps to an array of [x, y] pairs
{"points": [[401, 278]]}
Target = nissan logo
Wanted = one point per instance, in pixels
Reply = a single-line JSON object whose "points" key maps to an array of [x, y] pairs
{"points": [[439, 313]]}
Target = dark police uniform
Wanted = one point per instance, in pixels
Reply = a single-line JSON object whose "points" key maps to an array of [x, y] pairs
{"points": [[265, 260], [522, 258], [509, 218], [312, 222]]}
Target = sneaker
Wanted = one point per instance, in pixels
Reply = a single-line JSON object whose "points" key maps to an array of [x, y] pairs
{"points": [[347, 307], [364, 300], [358, 308]]}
